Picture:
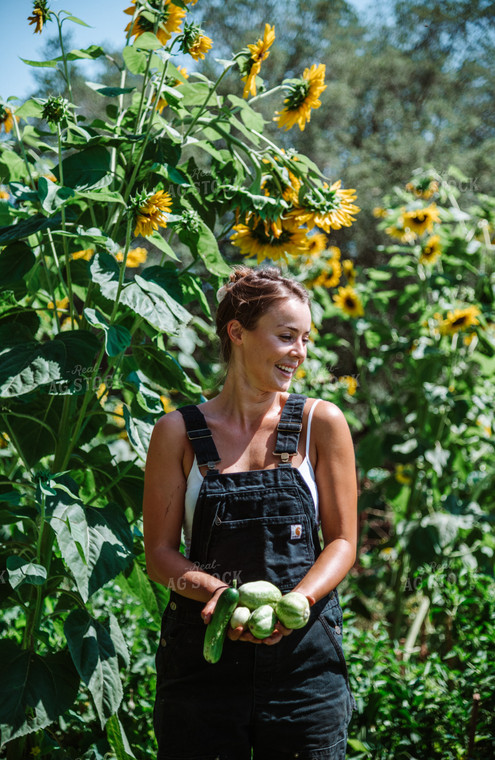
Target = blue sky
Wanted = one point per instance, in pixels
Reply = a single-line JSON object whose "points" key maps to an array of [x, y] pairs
{"points": [[105, 17]]}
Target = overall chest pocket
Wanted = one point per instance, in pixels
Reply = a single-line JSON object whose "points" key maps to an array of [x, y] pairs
{"points": [[277, 548]]}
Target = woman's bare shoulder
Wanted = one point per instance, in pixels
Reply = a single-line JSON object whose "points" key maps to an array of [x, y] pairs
{"points": [[169, 433], [328, 419]]}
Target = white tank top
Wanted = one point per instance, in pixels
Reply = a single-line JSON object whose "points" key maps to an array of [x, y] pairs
{"points": [[195, 479]]}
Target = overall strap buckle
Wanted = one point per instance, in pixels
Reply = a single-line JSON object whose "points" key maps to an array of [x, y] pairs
{"points": [[200, 436], [289, 427]]}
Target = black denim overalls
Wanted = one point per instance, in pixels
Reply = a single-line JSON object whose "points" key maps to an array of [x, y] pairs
{"points": [[288, 700]]}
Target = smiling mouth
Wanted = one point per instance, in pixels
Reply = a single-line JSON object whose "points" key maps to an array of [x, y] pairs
{"points": [[286, 370]]}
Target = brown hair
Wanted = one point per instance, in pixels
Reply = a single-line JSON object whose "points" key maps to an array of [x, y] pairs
{"points": [[248, 295]]}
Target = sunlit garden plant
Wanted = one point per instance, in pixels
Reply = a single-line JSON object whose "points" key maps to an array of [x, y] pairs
{"points": [[110, 261]]}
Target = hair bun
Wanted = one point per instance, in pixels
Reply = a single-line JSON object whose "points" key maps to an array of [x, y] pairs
{"points": [[238, 273]]}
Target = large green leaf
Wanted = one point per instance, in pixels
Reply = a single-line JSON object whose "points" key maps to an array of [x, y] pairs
{"points": [[12, 167], [95, 657], [68, 521], [148, 298], [22, 571], [154, 280], [138, 585], [203, 243], [163, 369], [153, 308], [27, 366], [52, 196], [147, 41], [118, 740], [96, 544], [148, 399], [34, 690], [34, 422], [27, 227], [134, 60], [87, 169], [31, 365], [117, 337], [93, 52], [16, 260], [105, 272], [139, 432]]}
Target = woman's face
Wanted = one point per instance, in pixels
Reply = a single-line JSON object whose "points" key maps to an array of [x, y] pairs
{"points": [[271, 352]]}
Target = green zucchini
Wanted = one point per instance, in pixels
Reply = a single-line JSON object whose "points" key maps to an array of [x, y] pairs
{"points": [[217, 627]]}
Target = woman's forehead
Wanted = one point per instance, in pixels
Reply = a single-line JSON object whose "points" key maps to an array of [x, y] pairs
{"points": [[288, 312]]}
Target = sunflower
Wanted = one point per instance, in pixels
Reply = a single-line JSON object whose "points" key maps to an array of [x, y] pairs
{"points": [[421, 220], [285, 183], [405, 236], [349, 271], [348, 301], [135, 257], [167, 20], [200, 47], [255, 238], [61, 306], [259, 52], [317, 243], [350, 384], [167, 404], [402, 474], [194, 41], [330, 276], [4, 195], [151, 212], [431, 250], [303, 96], [424, 189], [161, 102], [459, 319], [379, 212], [41, 14], [118, 416], [327, 208], [7, 118], [86, 254]]}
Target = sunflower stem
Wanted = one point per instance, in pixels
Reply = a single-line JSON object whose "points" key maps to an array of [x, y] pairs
{"points": [[203, 107], [64, 59], [122, 268], [137, 163], [55, 258], [64, 239], [23, 151], [266, 93]]}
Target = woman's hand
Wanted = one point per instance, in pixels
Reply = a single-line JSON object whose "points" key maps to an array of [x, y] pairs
{"points": [[209, 608], [239, 634]]}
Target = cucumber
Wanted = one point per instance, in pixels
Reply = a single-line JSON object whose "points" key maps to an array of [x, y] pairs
{"points": [[217, 627], [257, 593]]}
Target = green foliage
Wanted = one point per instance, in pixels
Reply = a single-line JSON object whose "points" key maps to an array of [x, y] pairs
{"points": [[115, 237], [109, 261]]}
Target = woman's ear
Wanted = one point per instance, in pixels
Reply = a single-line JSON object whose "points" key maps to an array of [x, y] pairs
{"points": [[234, 331]]}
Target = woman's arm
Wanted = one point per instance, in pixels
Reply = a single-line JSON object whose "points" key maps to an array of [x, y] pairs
{"points": [[335, 474], [163, 514]]}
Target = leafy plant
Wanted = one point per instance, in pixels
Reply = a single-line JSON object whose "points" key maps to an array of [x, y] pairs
{"points": [[99, 337]]}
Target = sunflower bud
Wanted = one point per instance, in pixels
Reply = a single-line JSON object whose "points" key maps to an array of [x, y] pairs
{"points": [[56, 109]]}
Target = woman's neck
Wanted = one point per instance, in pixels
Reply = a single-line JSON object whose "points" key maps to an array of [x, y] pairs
{"points": [[244, 406]]}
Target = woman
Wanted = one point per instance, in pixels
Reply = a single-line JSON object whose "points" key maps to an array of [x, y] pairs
{"points": [[248, 476]]}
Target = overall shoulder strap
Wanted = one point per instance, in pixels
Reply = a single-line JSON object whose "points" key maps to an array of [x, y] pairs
{"points": [[200, 436], [289, 427]]}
